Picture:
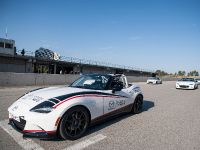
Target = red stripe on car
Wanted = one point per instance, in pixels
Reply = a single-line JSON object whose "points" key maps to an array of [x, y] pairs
{"points": [[49, 132]]}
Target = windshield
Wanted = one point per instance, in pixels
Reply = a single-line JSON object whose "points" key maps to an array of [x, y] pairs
{"points": [[96, 82], [154, 78], [186, 79]]}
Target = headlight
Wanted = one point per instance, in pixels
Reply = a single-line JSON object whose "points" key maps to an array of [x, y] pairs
{"points": [[177, 83], [44, 107], [191, 84]]}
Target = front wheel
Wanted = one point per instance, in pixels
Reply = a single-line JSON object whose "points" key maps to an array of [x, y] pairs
{"points": [[137, 105], [74, 123]]}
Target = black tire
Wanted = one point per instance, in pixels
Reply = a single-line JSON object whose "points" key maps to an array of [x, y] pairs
{"points": [[137, 105], [74, 123]]}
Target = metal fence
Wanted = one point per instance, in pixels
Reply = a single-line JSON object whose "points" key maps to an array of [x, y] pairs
{"points": [[92, 62]]}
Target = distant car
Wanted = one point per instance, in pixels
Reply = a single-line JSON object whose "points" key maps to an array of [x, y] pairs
{"points": [[154, 80], [186, 83], [69, 110], [198, 81]]}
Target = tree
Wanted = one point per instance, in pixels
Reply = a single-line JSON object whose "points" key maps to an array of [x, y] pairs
{"points": [[161, 73], [23, 52], [181, 73], [193, 73]]}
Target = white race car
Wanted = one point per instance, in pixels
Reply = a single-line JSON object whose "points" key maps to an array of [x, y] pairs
{"points": [[68, 111], [154, 80], [186, 83]]}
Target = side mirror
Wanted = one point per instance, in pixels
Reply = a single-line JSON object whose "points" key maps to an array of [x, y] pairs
{"points": [[117, 87]]}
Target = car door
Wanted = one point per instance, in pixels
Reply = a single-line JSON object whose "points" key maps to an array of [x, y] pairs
{"points": [[117, 100]]}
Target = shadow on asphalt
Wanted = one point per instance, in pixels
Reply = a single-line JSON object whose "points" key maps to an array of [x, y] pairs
{"points": [[147, 104]]}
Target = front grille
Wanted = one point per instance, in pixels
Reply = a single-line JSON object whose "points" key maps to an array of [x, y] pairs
{"points": [[19, 125], [184, 86]]}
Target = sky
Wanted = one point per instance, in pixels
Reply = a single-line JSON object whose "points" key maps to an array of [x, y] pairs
{"points": [[147, 34]]}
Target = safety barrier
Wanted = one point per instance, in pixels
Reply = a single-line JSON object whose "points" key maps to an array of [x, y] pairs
{"points": [[34, 79]]}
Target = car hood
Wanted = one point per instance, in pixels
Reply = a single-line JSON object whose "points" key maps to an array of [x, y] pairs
{"points": [[31, 99], [185, 82]]}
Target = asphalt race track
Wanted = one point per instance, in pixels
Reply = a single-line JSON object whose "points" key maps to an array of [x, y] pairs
{"points": [[170, 120]]}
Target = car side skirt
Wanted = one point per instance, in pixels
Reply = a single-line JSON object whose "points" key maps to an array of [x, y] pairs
{"points": [[124, 109]]}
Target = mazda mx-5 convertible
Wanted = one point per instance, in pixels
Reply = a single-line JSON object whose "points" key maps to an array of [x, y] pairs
{"points": [[187, 83], [68, 111], [154, 80]]}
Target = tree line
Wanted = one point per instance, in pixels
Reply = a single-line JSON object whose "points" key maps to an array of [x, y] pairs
{"points": [[179, 73]]}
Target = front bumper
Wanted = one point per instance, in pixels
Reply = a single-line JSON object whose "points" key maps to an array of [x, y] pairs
{"points": [[20, 125], [40, 134], [185, 86], [151, 82]]}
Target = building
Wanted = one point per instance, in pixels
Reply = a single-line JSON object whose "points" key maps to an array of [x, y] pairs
{"points": [[46, 54], [47, 61], [7, 46], [31, 64]]}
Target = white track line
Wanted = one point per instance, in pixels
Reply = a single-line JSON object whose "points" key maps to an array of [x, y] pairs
{"points": [[26, 144], [86, 143]]}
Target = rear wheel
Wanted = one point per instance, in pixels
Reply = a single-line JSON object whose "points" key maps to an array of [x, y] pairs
{"points": [[137, 105], [74, 123]]}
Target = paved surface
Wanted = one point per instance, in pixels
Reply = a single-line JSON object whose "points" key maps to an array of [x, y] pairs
{"points": [[170, 120]]}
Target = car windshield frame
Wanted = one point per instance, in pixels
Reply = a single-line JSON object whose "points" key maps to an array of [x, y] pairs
{"points": [[93, 82]]}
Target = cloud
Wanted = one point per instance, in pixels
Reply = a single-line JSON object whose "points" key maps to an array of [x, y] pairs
{"points": [[134, 38]]}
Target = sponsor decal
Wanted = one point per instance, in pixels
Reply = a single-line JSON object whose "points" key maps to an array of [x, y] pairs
{"points": [[137, 89], [14, 108], [37, 98], [115, 104], [111, 105], [134, 90]]}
